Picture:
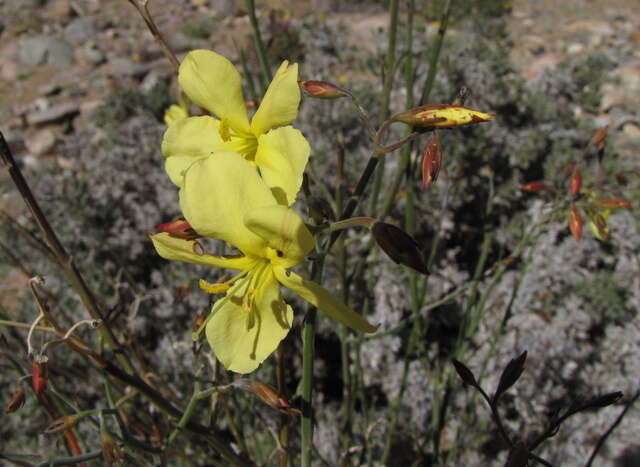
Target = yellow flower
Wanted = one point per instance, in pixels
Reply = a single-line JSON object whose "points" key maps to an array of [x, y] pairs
{"points": [[223, 197], [279, 151], [177, 111]]}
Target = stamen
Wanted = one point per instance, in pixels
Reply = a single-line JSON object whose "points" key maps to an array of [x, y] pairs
{"points": [[224, 131]]}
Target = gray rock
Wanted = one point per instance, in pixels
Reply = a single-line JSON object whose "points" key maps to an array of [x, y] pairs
{"points": [[124, 67], [45, 50], [80, 30], [54, 113], [41, 143]]}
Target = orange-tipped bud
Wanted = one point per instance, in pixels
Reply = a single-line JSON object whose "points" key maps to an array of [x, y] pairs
{"points": [[179, 228], [323, 90], [399, 246], [38, 377], [111, 452], [268, 395], [431, 161], [17, 400], [441, 116], [614, 203], [575, 223], [61, 424], [576, 183], [598, 139], [534, 187]]}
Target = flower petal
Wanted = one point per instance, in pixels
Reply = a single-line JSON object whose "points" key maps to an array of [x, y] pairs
{"points": [[186, 141], [280, 103], [179, 249], [283, 230], [211, 81], [217, 193], [243, 339], [282, 157], [325, 301]]}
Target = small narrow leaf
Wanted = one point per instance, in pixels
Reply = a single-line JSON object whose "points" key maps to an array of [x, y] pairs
{"points": [[603, 400], [465, 373], [399, 246], [510, 375]]}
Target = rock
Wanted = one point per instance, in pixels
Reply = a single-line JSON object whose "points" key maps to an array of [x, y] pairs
{"points": [[90, 54], [80, 30], [60, 10], [45, 50], [124, 67], [631, 130], [54, 113], [41, 143], [629, 75], [540, 65]]}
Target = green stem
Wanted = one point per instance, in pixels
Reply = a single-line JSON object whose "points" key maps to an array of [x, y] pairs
{"points": [[410, 228], [389, 70], [435, 53], [308, 355], [260, 48]]}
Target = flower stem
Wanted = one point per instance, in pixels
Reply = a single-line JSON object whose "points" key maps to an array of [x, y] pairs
{"points": [[435, 53], [260, 48], [389, 70]]}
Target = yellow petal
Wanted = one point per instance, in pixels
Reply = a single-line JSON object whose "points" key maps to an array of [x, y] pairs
{"points": [[243, 339], [325, 301], [174, 113], [281, 157], [179, 249], [212, 82], [283, 230], [217, 193], [280, 103], [186, 141]]}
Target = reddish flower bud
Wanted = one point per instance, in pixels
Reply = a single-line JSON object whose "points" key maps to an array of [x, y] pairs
{"points": [[431, 161], [598, 139], [441, 116], [614, 203], [61, 424], [268, 395], [179, 228], [323, 90], [17, 400], [38, 377], [575, 223], [111, 452], [534, 187], [576, 183]]}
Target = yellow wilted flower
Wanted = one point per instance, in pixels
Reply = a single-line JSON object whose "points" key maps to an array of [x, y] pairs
{"points": [[441, 116], [279, 151], [223, 197]]}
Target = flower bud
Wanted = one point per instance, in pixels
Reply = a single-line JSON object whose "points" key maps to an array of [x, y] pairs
{"points": [[61, 424], [575, 223], [17, 400], [267, 394], [598, 139], [431, 161], [576, 183], [399, 246], [179, 228], [534, 187], [323, 90], [441, 116], [38, 377], [599, 227], [614, 203], [111, 452]]}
